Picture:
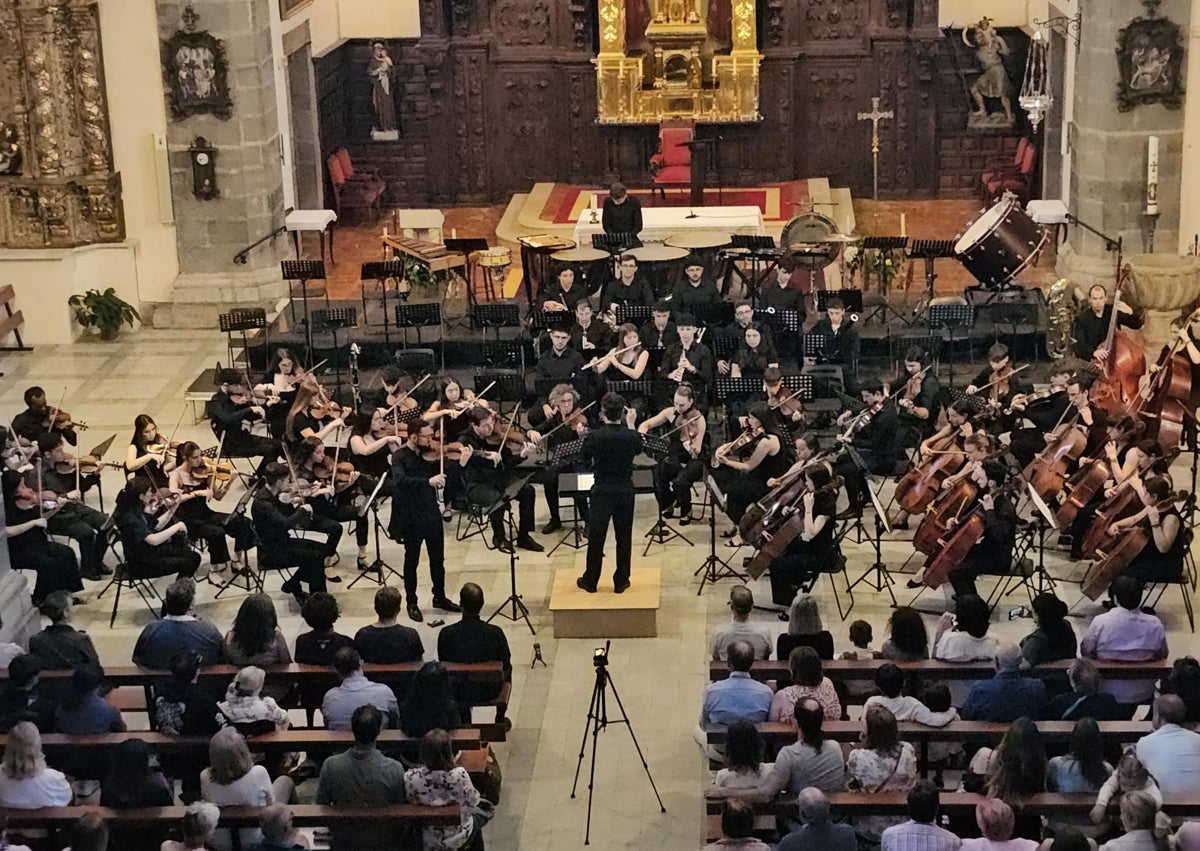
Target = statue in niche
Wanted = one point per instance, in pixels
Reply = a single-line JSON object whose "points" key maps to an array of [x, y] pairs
{"points": [[991, 50], [383, 101], [10, 149]]}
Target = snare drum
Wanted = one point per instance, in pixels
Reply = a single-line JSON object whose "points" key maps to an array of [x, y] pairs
{"points": [[998, 245], [495, 258]]}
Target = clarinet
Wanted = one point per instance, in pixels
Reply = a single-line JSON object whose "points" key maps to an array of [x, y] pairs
{"points": [[354, 376]]}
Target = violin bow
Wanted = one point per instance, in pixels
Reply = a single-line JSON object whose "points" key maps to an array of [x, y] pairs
{"points": [[54, 411], [564, 422], [478, 397], [174, 431], [682, 425], [996, 381], [508, 429], [442, 447], [41, 508]]}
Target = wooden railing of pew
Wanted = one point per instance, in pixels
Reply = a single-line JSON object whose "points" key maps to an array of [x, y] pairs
{"points": [[308, 677]]}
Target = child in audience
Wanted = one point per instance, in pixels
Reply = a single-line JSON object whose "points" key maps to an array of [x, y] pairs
{"points": [[860, 639], [1130, 776], [889, 680], [940, 754]]}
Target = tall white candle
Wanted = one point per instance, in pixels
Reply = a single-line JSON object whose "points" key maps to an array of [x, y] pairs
{"points": [[903, 226], [1152, 176], [592, 200], [454, 233]]}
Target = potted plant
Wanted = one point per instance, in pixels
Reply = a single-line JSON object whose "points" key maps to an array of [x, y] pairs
{"points": [[104, 312]]}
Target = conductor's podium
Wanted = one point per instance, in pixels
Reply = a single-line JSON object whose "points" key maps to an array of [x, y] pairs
{"points": [[578, 614]]}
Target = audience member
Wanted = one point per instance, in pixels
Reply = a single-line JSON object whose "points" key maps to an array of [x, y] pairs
{"points": [[1008, 695], [996, 822], [744, 768], [19, 697], [1171, 753], [737, 829], [804, 625], [473, 639], [4, 843], [438, 782], [362, 777], [26, 782], [907, 639], [319, 645], [816, 831], [90, 833], [181, 706], [882, 763], [244, 702], [739, 697], [279, 834], [808, 680], [1126, 634], [341, 702], [178, 630], [1082, 768], [1085, 700], [921, 830], [1184, 680], [889, 679], [1054, 638], [1187, 838], [741, 628], [196, 828], [1130, 776], [1017, 767], [962, 637], [1138, 813], [1068, 839], [83, 711], [130, 783], [233, 780], [861, 637], [387, 642], [61, 647], [429, 703], [255, 638]]}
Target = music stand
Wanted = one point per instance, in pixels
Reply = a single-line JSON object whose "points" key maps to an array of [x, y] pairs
{"points": [[713, 315], [632, 388], [333, 320], [751, 241], [727, 388], [661, 532], [570, 485], [813, 345], [615, 243], [548, 320], [509, 386], [877, 575], [506, 354], [724, 347], [495, 316], [379, 569], [519, 610], [800, 384], [787, 320], [381, 272], [304, 271], [950, 317], [241, 320], [852, 300], [426, 314], [634, 314], [715, 568]]}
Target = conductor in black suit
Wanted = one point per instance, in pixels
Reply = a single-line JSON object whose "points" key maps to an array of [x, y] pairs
{"points": [[609, 450]]}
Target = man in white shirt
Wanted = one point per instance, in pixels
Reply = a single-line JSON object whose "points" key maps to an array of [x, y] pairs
{"points": [[1126, 634], [890, 680], [739, 628], [1171, 753], [356, 690], [920, 833]]}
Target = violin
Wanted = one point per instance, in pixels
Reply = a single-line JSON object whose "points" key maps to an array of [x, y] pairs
{"points": [[742, 440], [1022, 401], [61, 420], [445, 451], [788, 406], [89, 465], [322, 409], [340, 473]]}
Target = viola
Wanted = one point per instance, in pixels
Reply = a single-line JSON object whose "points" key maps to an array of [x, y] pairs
{"points": [[917, 489], [326, 409]]}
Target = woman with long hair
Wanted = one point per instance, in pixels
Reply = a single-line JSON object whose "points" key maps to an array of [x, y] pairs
{"points": [[808, 680], [255, 638], [372, 442], [907, 640], [26, 782], [430, 702], [814, 551], [131, 784], [1082, 768], [1054, 638], [438, 782], [742, 466], [301, 421], [1017, 767], [755, 352], [278, 389], [630, 364], [233, 780], [194, 486], [148, 454]]}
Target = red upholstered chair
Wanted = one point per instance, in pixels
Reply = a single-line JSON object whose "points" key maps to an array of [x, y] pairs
{"points": [[1016, 177], [672, 165], [353, 189]]}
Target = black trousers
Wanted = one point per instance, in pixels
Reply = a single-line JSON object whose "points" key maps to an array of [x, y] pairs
{"points": [[616, 506], [486, 494], [170, 557], [205, 524], [341, 510], [307, 557], [56, 566], [673, 480], [82, 524], [741, 491], [548, 478], [253, 446], [1024, 443], [322, 524], [433, 537]]}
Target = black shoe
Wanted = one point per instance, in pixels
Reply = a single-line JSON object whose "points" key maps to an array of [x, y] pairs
{"points": [[620, 589], [502, 544], [850, 513], [912, 583], [446, 605], [336, 579], [525, 542], [668, 513], [552, 527], [414, 611], [582, 583], [685, 519], [301, 597], [290, 587], [105, 570], [91, 576]]}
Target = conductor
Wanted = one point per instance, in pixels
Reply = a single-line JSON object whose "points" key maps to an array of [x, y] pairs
{"points": [[609, 450]]}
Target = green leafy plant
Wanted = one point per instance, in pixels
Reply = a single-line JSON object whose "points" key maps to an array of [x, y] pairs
{"points": [[104, 311]]}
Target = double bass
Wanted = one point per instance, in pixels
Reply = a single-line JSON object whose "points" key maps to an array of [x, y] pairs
{"points": [[1125, 365]]}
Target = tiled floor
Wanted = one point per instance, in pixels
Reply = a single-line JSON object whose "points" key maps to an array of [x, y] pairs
{"points": [[660, 680]]}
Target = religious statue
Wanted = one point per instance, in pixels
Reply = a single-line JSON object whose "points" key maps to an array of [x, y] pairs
{"points": [[383, 104], [990, 50], [10, 150]]}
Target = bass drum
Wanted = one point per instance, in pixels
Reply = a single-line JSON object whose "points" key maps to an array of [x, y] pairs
{"points": [[998, 245], [804, 240]]}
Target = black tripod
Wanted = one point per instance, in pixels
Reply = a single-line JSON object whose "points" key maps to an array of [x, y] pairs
{"points": [[597, 721], [877, 575], [377, 569], [714, 567], [519, 610]]}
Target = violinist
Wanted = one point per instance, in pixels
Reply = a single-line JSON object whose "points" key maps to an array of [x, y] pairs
{"points": [[1090, 329], [155, 543], [785, 403], [12, 454], [565, 423], [684, 465], [814, 550], [232, 414], [194, 481], [660, 331], [842, 343], [1002, 386], [562, 294], [589, 334], [397, 388], [448, 409], [1043, 409], [312, 414], [372, 441], [487, 461], [274, 520], [874, 435], [743, 318], [627, 359], [696, 290], [918, 399], [754, 354], [1161, 560], [39, 418], [416, 477], [807, 447], [149, 455], [278, 391], [949, 438], [81, 523], [335, 499], [687, 361], [743, 466], [627, 288], [29, 548]]}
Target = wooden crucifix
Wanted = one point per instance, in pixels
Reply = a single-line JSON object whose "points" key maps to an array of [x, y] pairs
{"points": [[874, 117]]}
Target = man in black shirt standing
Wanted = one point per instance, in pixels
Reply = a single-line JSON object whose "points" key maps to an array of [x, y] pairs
{"points": [[1091, 326], [622, 212], [609, 451], [474, 640]]}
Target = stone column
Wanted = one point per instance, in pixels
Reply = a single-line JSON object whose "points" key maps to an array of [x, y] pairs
{"points": [[1189, 212], [248, 167]]}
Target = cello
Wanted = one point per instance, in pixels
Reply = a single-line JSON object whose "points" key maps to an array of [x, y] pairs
{"points": [[946, 509], [1125, 364], [1047, 472], [962, 537], [1166, 401], [920, 485], [775, 544]]}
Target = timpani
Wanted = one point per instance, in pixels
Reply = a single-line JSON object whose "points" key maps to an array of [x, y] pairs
{"points": [[592, 266], [706, 244], [663, 264]]}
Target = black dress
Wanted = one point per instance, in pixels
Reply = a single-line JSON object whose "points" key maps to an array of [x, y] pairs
{"points": [[56, 566], [804, 561], [1152, 565]]}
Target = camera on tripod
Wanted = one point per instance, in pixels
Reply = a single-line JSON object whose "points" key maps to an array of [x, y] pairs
{"points": [[600, 655]]}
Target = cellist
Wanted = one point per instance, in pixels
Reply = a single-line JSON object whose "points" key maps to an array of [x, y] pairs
{"points": [[949, 438], [1044, 410], [1091, 326], [1127, 461], [815, 549], [1161, 560], [1093, 420]]}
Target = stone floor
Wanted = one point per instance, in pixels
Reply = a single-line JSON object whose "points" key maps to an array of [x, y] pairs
{"points": [[660, 680]]}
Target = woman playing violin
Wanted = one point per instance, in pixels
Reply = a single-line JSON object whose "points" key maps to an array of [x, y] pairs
{"points": [[278, 391], [999, 379], [917, 402], [148, 454], [807, 446], [814, 550], [194, 481], [453, 400], [336, 498], [743, 466], [29, 548], [155, 543], [372, 441], [684, 466], [567, 422], [312, 414], [1161, 560]]}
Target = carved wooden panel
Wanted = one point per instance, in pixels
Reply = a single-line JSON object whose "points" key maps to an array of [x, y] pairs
{"points": [[528, 108], [470, 124]]}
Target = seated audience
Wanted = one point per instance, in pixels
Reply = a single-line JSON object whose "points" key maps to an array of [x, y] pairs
{"points": [[816, 829], [244, 703], [907, 639], [387, 642], [1130, 776], [438, 782], [1008, 695], [1016, 768], [1171, 753], [739, 697], [4, 843], [805, 628], [130, 783], [1138, 813], [889, 679], [737, 829], [177, 631], [181, 706], [808, 680], [196, 828], [1068, 839], [1054, 638], [83, 711], [233, 780], [473, 639], [921, 830], [1086, 699], [996, 822], [319, 645], [1126, 634], [962, 637], [279, 834], [90, 833], [741, 628], [882, 763], [429, 704], [19, 696], [61, 647], [341, 701], [861, 636], [26, 782], [1082, 768], [362, 777], [255, 638], [744, 768], [1184, 680]]}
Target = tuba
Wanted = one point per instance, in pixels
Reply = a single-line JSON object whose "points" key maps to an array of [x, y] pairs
{"points": [[1062, 304]]}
